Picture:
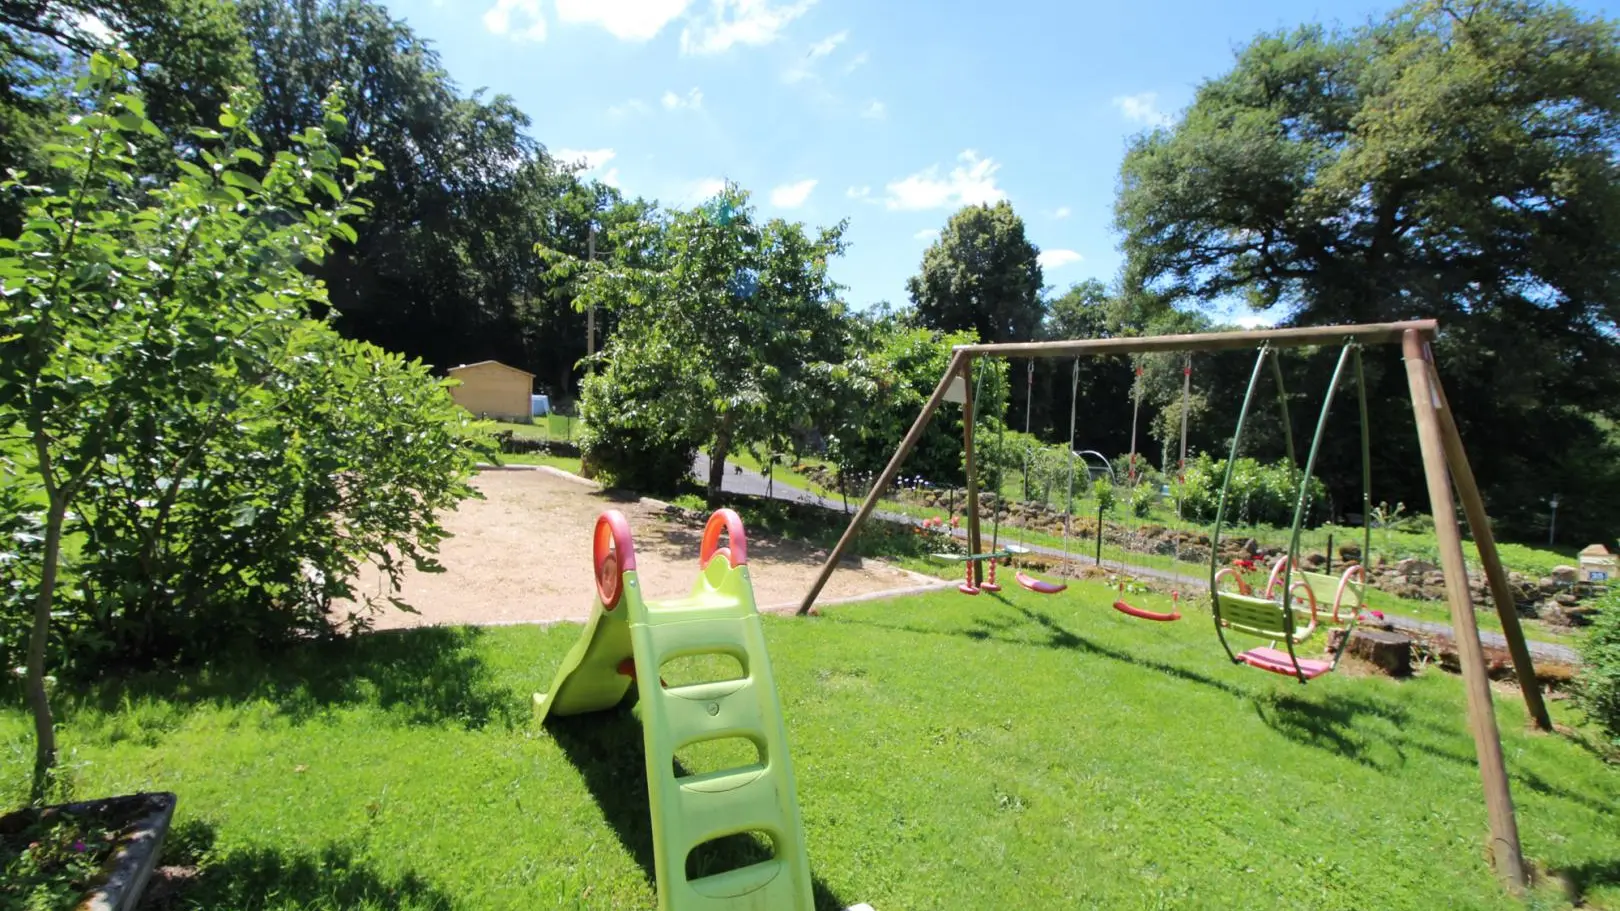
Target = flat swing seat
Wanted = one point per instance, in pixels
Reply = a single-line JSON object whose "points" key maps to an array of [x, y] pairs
{"points": [[1125, 607], [970, 558], [1039, 585], [1277, 662]]}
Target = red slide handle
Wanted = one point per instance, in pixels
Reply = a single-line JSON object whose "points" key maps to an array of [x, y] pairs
{"points": [[613, 554], [736, 551]]}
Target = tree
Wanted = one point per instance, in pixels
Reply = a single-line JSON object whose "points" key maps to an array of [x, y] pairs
{"points": [[169, 406], [730, 328], [884, 383], [1455, 160], [981, 274]]}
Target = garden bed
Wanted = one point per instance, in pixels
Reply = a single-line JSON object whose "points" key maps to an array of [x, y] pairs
{"points": [[95, 855]]}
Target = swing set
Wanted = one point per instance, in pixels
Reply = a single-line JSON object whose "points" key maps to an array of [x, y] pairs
{"points": [[1278, 613]]}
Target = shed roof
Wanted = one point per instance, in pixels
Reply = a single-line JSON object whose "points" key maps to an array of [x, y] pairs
{"points": [[1595, 550], [491, 363]]}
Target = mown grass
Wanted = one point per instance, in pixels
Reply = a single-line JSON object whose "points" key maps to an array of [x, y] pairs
{"points": [[545, 427], [967, 753], [569, 464]]}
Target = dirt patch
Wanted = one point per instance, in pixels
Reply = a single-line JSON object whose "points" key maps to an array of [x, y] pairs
{"points": [[523, 555]]}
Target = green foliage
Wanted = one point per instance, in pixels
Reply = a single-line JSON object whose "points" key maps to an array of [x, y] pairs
{"points": [[209, 463], [1144, 496], [1259, 493], [1102, 490], [52, 860], [1458, 163], [882, 387], [1598, 687], [627, 440], [981, 274], [728, 336]]}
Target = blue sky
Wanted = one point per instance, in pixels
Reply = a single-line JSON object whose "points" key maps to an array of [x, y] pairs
{"points": [[889, 114]]}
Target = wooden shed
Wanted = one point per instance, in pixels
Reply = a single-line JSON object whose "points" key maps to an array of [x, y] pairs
{"points": [[492, 389]]}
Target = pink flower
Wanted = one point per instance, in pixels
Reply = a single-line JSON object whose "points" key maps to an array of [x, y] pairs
{"points": [[78, 846]]}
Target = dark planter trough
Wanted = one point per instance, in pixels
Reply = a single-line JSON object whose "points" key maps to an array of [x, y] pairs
{"points": [[131, 863]]}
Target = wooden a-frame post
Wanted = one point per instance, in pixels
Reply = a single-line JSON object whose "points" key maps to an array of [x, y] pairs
{"points": [[1505, 850], [1444, 461]]}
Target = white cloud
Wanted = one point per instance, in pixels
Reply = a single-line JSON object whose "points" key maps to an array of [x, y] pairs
{"points": [[875, 110], [1057, 259], [792, 195], [747, 22], [858, 192], [855, 63], [970, 183], [926, 234], [633, 106], [590, 158], [692, 99], [611, 178], [828, 44], [1142, 108], [702, 190], [627, 20], [1062, 212], [520, 19]]}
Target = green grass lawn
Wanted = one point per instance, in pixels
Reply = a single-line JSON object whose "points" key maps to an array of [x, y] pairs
{"points": [[547, 427], [1024, 751], [566, 463]]}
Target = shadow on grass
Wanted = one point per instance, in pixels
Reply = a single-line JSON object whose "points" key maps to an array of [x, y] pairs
{"points": [[428, 675], [1339, 724], [1581, 879], [1056, 637], [607, 749], [196, 877]]}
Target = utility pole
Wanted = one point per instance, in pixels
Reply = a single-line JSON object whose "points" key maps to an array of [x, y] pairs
{"points": [[590, 312], [1552, 523]]}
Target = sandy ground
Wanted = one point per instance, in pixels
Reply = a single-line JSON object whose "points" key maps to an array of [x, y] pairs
{"points": [[523, 555]]}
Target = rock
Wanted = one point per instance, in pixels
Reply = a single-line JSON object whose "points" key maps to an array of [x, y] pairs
{"points": [[1414, 568], [1390, 652], [1565, 575], [1315, 561], [1251, 547], [1434, 578], [1565, 599], [1350, 553], [1517, 578]]}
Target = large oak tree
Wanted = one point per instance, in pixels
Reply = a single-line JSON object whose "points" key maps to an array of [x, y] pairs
{"points": [[1455, 160]]}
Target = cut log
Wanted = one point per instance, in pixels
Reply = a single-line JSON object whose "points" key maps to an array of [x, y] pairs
{"points": [[1390, 652]]}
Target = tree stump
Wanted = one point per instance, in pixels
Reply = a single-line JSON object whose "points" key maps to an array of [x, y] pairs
{"points": [[1390, 652]]}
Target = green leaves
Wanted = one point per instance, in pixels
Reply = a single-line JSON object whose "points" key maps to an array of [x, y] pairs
{"points": [[216, 446]]}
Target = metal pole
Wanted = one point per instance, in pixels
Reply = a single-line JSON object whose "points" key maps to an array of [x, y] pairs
{"points": [[1504, 845], [590, 312], [1552, 522]]}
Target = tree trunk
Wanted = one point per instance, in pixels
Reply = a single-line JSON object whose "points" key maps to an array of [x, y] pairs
{"points": [[39, 700], [717, 461]]}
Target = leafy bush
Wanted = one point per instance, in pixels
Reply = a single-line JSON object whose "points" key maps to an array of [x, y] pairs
{"points": [[1143, 498], [1103, 491], [628, 440], [1598, 687], [1259, 493], [204, 463]]}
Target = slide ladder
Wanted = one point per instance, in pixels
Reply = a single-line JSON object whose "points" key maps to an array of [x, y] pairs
{"points": [[628, 640]]}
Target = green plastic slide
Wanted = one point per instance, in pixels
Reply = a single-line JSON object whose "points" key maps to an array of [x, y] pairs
{"points": [[628, 640]]}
